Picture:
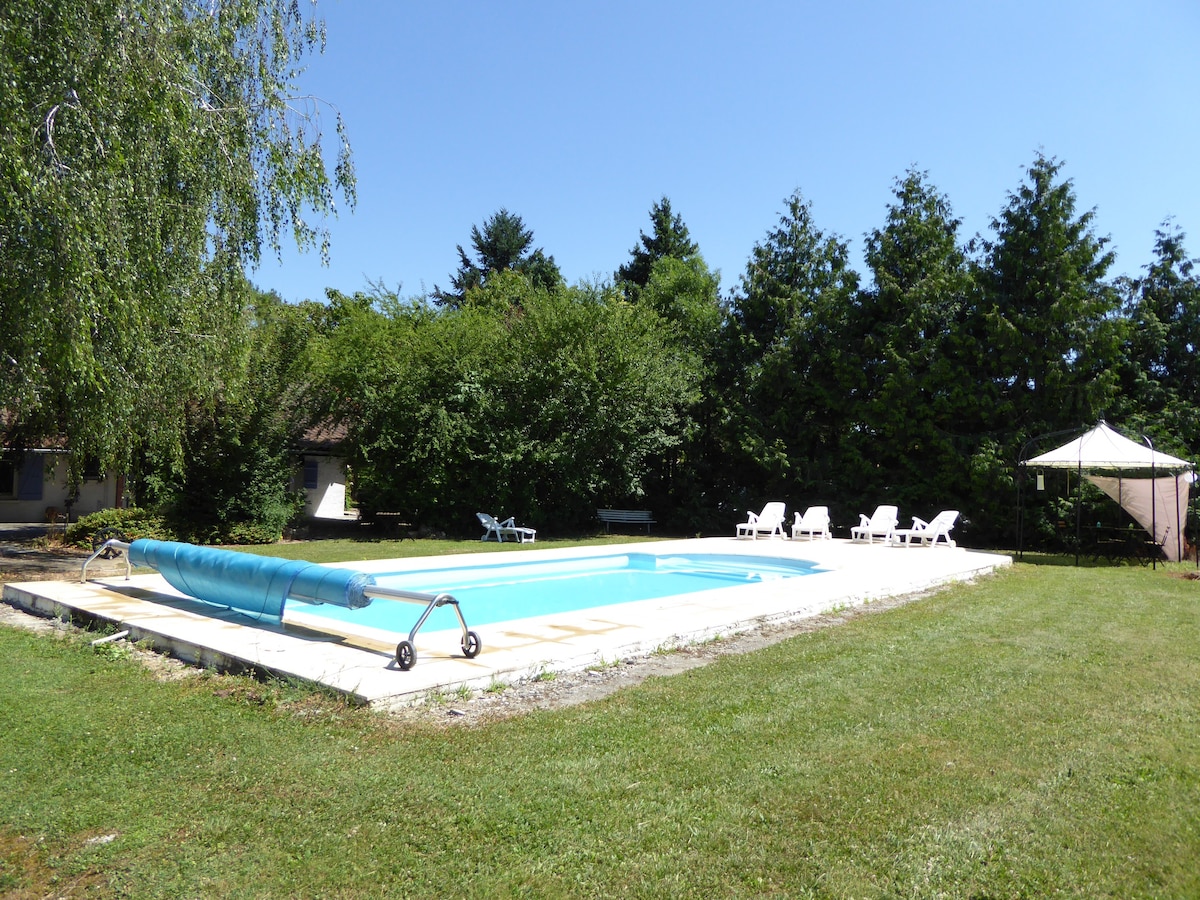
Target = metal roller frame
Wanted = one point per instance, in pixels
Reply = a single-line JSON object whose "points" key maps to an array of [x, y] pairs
{"points": [[406, 654]]}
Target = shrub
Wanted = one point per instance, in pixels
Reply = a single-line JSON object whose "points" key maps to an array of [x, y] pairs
{"points": [[132, 522]]}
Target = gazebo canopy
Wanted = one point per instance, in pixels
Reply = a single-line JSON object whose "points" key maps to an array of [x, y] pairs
{"points": [[1156, 496], [1103, 448]]}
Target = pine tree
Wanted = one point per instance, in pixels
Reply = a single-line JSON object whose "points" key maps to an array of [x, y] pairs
{"points": [[669, 239], [501, 245], [1047, 338]]}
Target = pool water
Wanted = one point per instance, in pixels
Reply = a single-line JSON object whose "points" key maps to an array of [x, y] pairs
{"points": [[498, 592]]}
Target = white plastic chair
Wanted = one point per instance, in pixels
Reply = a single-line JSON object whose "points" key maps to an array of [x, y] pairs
{"points": [[813, 524], [928, 534], [507, 528], [769, 522], [882, 525]]}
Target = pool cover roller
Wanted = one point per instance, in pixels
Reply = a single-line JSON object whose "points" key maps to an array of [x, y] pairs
{"points": [[253, 584], [260, 585]]}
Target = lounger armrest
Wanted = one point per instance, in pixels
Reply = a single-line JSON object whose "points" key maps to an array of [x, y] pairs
{"points": [[863, 521], [753, 518], [919, 524], [510, 522]]}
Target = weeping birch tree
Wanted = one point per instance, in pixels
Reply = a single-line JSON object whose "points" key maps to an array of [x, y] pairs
{"points": [[149, 151]]}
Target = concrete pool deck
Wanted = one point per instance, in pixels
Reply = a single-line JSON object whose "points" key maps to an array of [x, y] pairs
{"points": [[359, 662]]}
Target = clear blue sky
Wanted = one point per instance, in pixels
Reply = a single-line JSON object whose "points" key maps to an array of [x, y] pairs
{"points": [[578, 116]]}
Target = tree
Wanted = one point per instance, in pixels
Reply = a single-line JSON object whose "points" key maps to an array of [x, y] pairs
{"points": [[919, 395], [236, 482], [669, 239], [147, 153], [687, 295], [687, 298], [546, 414], [501, 245], [1045, 327], [793, 363], [1045, 324], [1161, 380], [602, 395]]}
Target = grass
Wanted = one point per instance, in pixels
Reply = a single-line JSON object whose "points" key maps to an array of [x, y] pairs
{"points": [[1033, 735]]}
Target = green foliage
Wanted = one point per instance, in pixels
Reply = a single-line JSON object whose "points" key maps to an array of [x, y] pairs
{"points": [[501, 246], [920, 388], [543, 404], [670, 239], [687, 296], [793, 370], [601, 391], [1049, 339], [1161, 372], [410, 383], [147, 152], [132, 522], [236, 486], [680, 489], [918, 373]]}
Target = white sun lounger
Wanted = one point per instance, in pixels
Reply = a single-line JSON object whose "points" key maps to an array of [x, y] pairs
{"points": [[507, 528], [768, 522], [813, 524], [928, 534], [882, 525]]}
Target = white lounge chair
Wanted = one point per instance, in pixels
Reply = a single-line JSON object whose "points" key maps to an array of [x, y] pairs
{"points": [[507, 528], [769, 522], [927, 534], [813, 524], [881, 525]]}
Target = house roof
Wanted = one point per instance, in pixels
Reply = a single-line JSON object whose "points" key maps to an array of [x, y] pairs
{"points": [[8, 426], [327, 436]]}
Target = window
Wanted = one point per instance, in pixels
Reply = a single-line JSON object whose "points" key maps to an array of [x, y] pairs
{"points": [[92, 470], [8, 479]]}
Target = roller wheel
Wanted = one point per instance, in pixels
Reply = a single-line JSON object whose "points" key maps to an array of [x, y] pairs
{"points": [[471, 645], [406, 655], [103, 536]]}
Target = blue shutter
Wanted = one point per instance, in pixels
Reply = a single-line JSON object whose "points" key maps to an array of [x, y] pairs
{"points": [[311, 481], [30, 476]]}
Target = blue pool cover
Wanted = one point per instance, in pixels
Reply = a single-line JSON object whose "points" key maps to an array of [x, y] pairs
{"points": [[246, 582]]}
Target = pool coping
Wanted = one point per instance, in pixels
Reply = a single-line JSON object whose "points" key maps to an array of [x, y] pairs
{"points": [[361, 665]]}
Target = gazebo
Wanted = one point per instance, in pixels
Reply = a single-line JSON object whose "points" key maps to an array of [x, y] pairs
{"points": [[1152, 487]]}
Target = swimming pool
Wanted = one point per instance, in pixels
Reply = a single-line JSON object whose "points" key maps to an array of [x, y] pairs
{"points": [[491, 592], [360, 662]]}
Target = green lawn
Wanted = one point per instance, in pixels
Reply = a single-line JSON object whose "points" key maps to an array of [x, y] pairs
{"points": [[1036, 734]]}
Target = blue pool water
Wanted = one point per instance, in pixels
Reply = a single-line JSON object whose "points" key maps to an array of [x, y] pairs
{"points": [[497, 592]]}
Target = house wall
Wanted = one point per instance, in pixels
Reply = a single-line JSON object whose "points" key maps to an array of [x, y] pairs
{"points": [[37, 483], [325, 487]]}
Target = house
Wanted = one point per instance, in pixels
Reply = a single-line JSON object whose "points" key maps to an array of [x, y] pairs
{"points": [[323, 473], [34, 488], [34, 483]]}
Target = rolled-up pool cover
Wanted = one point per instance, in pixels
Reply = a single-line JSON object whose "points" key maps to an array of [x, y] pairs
{"points": [[244, 581]]}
